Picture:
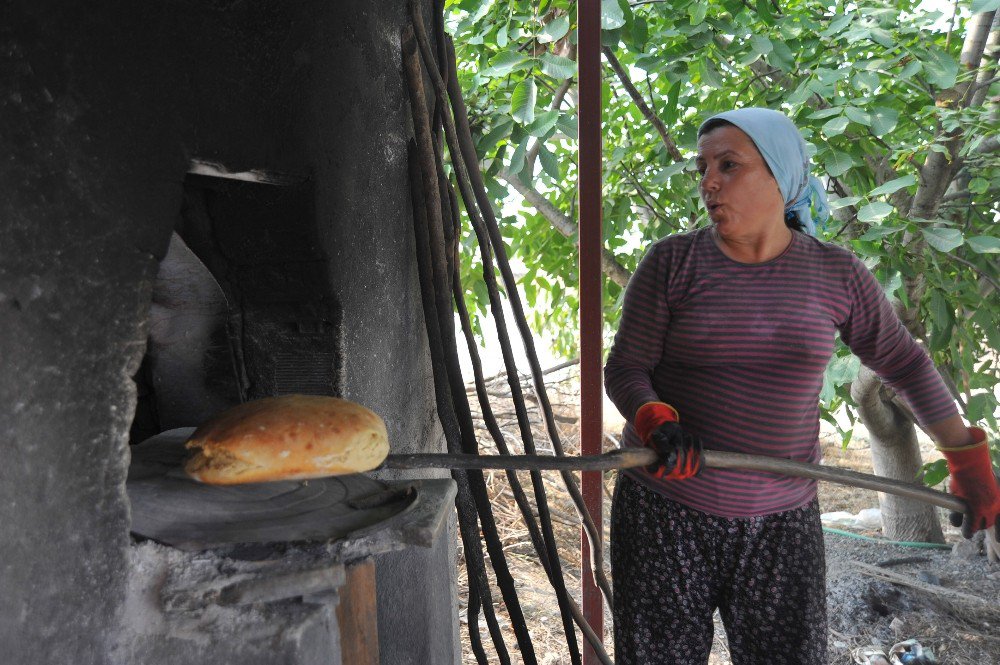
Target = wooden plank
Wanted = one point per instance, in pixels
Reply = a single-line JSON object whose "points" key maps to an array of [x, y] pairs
{"points": [[357, 616]]}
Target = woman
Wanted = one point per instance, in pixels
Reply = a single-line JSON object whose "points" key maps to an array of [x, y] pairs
{"points": [[724, 338]]}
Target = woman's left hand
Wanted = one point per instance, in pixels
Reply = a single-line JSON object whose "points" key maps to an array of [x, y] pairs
{"points": [[974, 481]]}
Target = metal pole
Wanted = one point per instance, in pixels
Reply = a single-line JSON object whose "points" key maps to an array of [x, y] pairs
{"points": [[590, 240], [628, 458]]}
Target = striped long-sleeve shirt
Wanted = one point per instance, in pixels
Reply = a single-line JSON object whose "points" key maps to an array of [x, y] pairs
{"points": [[740, 351]]}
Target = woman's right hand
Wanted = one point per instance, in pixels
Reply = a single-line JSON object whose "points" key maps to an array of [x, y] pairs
{"points": [[680, 452]]}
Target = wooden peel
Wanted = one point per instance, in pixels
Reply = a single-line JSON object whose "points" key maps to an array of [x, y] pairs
{"points": [[714, 459]]}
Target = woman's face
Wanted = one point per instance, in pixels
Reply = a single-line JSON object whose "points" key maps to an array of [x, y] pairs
{"points": [[742, 197]]}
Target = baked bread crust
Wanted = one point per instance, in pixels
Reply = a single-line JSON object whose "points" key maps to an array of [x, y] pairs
{"points": [[292, 437]]}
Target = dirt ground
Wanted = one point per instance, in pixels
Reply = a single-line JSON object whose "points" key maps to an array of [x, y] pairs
{"points": [[878, 594]]}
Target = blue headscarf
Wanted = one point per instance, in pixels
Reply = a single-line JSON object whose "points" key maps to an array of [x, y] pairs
{"points": [[780, 143]]}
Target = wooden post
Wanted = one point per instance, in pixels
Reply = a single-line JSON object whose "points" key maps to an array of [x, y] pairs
{"points": [[357, 617], [590, 239]]}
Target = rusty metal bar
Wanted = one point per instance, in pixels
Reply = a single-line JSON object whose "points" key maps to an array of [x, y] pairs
{"points": [[590, 243]]}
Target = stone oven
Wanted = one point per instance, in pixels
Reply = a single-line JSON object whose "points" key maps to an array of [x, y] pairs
{"points": [[203, 203]]}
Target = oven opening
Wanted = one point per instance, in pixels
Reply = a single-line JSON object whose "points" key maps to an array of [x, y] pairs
{"points": [[242, 305]]}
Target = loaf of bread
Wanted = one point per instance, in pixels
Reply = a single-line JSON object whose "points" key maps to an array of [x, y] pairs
{"points": [[287, 438]]}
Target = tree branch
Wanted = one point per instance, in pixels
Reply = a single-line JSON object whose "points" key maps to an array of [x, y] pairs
{"points": [[991, 144], [939, 167], [643, 107], [992, 50], [978, 271], [615, 271], [976, 37], [651, 203], [557, 99]]}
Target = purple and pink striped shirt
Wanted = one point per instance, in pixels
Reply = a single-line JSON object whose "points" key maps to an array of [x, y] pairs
{"points": [[740, 351]]}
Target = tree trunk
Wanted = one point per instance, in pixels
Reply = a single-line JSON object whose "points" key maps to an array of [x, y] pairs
{"points": [[896, 455]]}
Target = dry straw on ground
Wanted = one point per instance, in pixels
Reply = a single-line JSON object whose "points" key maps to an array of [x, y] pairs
{"points": [[930, 598]]}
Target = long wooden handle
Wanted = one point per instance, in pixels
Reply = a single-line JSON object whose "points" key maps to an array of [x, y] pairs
{"points": [[634, 457]]}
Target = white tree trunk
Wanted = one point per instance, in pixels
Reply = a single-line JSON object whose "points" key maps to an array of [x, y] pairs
{"points": [[896, 455]]}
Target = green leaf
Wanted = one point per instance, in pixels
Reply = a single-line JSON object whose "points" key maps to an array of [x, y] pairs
{"points": [[505, 62], [734, 7], [612, 15], [827, 393], [934, 472], [884, 120], [522, 101], [557, 66], [709, 74], [554, 30], [984, 244], [542, 123], [844, 201], [879, 232], [611, 37], [943, 239], [941, 69], [763, 11], [781, 56], [500, 131], [664, 174], [940, 338], [801, 93], [882, 37], [697, 11], [517, 159], [835, 126], [893, 186], [874, 211], [549, 161], [567, 125], [979, 185], [640, 33], [941, 313], [893, 283], [648, 63], [980, 406], [822, 114], [911, 68], [669, 111], [981, 6], [517, 134], [837, 163], [832, 74], [858, 116], [837, 25], [843, 370], [869, 80], [761, 44]]}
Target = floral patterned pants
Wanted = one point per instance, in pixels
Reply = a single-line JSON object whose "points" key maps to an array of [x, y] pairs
{"points": [[672, 566]]}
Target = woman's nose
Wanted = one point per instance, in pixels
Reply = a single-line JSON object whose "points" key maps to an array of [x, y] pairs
{"points": [[709, 180]]}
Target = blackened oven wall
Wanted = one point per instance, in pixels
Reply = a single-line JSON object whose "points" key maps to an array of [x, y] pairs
{"points": [[103, 106]]}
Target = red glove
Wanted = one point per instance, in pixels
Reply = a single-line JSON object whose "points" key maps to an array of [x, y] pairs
{"points": [[972, 479], [680, 452]]}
